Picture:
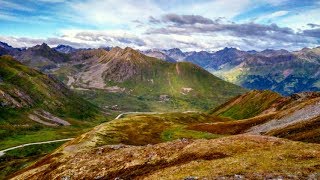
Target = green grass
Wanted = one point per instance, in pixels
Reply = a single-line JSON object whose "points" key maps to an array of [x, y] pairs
{"points": [[149, 129], [207, 91], [247, 105], [253, 159], [182, 132], [13, 135], [17, 159], [251, 156], [37, 136]]}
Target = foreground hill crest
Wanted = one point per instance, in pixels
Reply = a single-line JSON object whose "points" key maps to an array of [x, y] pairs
{"points": [[229, 143]]}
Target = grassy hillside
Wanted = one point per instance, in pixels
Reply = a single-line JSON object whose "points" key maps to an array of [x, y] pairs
{"points": [[17, 159], [35, 106], [296, 117], [132, 81], [247, 105], [145, 129], [174, 145]]}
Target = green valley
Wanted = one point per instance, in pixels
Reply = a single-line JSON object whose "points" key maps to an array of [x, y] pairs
{"points": [[159, 90], [125, 79]]}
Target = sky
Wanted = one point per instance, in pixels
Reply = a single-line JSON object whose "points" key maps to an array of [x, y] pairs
{"points": [[191, 25]]}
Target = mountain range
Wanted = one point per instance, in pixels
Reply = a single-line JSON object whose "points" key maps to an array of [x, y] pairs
{"points": [[189, 118], [292, 72]]}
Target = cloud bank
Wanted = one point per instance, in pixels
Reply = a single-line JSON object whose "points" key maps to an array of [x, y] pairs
{"points": [[162, 24]]}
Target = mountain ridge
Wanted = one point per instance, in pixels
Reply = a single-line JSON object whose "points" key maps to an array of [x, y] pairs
{"points": [[133, 74], [249, 69]]}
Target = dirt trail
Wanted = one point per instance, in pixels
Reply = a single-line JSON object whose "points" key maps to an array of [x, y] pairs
{"points": [[2, 152], [177, 69], [122, 114]]}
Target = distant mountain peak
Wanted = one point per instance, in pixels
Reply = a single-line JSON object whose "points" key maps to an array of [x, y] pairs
{"points": [[6, 49], [252, 52], [306, 49], [129, 49], [64, 48], [229, 49], [158, 54], [43, 46], [176, 50], [132, 54], [126, 54], [37, 55], [5, 45], [175, 53]]}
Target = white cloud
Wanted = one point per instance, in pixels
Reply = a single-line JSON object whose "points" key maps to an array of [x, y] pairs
{"points": [[277, 14], [114, 13], [300, 20], [210, 42], [8, 17], [215, 9], [113, 23], [272, 16], [276, 2], [52, 1]]}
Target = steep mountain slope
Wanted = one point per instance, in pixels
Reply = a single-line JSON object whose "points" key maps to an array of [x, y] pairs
{"points": [[290, 73], [33, 104], [248, 105], [226, 58], [201, 58], [296, 117], [138, 82], [131, 148], [41, 57], [6, 49]]}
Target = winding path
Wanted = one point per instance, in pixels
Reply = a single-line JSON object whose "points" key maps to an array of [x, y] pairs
{"points": [[122, 114], [2, 152]]}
